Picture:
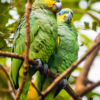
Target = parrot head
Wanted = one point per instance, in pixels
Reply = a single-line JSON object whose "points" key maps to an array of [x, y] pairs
{"points": [[54, 5], [65, 15]]}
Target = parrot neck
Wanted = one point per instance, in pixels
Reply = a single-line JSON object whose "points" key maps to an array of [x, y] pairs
{"points": [[37, 5], [42, 7], [67, 24], [70, 26], [42, 1]]}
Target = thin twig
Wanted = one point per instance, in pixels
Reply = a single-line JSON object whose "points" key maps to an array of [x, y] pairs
{"points": [[8, 78], [70, 69], [36, 89], [2, 47], [26, 60], [10, 8], [13, 55], [5, 91], [89, 88], [3, 35]]}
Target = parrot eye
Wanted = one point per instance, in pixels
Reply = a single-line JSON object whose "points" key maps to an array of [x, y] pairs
{"points": [[58, 0], [60, 14], [67, 12]]}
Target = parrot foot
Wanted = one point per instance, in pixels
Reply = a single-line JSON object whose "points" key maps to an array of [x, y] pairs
{"points": [[63, 82], [44, 70], [39, 67]]}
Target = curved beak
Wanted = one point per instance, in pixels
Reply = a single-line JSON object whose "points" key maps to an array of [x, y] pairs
{"points": [[68, 18], [57, 6]]}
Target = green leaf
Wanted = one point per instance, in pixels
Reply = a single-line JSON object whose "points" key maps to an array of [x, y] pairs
{"points": [[86, 25], [94, 25], [2, 42]]}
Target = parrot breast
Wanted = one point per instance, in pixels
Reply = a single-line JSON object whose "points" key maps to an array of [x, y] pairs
{"points": [[44, 43], [68, 48]]}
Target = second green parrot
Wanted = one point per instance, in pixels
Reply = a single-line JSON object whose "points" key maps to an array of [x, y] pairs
{"points": [[67, 50]]}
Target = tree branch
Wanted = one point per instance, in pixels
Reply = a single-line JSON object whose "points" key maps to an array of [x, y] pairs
{"points": [[36, 89], [84, 72], [71, 68], [49, 72], [9, 79], [73, 94], [82, 81], [25, 65], [4, 35], [1, 99], [89, 88], [5, 91], [13, 55]]}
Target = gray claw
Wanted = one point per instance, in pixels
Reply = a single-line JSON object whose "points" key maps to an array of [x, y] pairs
{"points": [[58, 74], [38, 66], [39, 63], [44, 70], [63, 83]]}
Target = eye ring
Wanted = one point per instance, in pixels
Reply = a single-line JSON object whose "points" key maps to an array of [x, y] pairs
{"points": [[58, 0], [60, 14], [67, 12]]}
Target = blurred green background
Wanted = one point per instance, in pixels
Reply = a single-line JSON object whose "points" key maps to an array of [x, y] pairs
{"points": [[86, 20]]}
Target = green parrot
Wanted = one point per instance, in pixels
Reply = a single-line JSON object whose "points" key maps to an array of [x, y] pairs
{"points": [[67, 50], [43, 40]]}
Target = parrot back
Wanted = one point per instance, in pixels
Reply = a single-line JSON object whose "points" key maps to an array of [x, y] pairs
{"points": [[43, 39]]}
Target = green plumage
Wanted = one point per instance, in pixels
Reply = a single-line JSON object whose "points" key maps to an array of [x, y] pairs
{"points": [[43, 40], [68, 48], [66, 55]]}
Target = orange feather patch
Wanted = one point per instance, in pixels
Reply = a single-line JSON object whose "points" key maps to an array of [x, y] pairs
{"points": [[23, 53]]}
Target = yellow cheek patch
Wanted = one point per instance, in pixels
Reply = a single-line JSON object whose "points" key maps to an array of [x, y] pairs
{"points": [[61, 18], [72, 20], [58, 40], [38, 26], [50, 3]]}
